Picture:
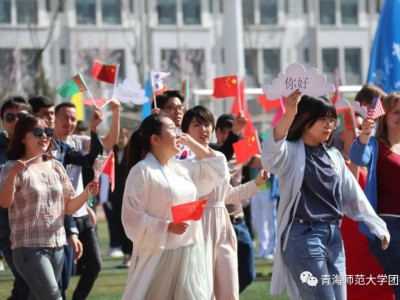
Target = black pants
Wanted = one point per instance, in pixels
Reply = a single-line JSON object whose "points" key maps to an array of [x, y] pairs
{"points": [[90, 262]]}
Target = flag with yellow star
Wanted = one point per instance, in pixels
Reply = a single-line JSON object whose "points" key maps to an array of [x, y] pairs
{"points": [[246, 148], [104, 72], [226, 86], [188, 211]]}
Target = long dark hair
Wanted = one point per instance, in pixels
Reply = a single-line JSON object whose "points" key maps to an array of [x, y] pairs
{"points": [[16, 148], [139, 143], [202, 115], [309, 110]]}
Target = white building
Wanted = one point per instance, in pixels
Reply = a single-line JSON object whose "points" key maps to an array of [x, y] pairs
{"points": [[185, 37]]}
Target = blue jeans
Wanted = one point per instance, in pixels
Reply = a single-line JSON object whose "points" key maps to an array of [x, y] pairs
{"points": [[316, 250], [66, 273], [41, 269], [246, 265], [20, 289], [389, 259]]}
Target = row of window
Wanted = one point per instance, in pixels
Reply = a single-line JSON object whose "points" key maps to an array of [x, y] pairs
{"points": [[254, 11], [192, 61]]}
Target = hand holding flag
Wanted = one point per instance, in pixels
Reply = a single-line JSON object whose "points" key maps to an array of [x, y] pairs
{"points": [[188, 211]]}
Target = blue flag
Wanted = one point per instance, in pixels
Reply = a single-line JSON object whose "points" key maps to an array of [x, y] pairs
{"points": [[146, 108], [384, 67]]}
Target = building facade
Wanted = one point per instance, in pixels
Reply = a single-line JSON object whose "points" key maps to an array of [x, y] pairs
{"points": [[184, 37]]}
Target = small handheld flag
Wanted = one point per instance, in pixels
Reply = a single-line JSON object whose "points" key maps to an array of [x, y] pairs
{"points": [[104, 72], [376, 109], [188, 211], [226, 86], [157, 79], [73, 86], [246, 148], [109, 169]]}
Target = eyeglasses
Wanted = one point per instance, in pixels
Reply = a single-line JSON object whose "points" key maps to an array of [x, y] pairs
{"points": [[10, 117], [328, 122], [175, 107], [38, 132], [176, 130]]}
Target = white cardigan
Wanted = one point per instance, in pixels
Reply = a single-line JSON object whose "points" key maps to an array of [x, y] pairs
{"points": [[287, 160]]}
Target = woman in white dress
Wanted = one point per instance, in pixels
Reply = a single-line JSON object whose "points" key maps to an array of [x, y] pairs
{"points": [[220, 238], [168, 259]]}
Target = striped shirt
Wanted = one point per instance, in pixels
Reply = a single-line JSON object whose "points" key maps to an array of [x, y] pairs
{"points": [[36, 214]]}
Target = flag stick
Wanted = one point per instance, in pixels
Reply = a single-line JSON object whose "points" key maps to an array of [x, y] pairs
{"points": [[90, 94], [105, 104], [238, 90], [115, 82]]}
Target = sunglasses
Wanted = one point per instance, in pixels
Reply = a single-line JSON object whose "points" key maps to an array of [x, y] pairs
{"points": [[38, 132], [10, 117]]}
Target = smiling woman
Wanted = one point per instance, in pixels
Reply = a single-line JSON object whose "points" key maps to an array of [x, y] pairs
{"points": [[168, 259], [38, 193]]}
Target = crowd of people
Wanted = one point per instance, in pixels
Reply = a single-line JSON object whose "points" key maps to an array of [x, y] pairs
{"points": [[308, 190]]}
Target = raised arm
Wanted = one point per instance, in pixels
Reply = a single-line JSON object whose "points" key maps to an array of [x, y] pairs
{"points": [[282, 127], [112, 136]]}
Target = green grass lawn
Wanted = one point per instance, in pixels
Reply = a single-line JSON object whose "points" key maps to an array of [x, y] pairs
{"points": [[111, 282]]}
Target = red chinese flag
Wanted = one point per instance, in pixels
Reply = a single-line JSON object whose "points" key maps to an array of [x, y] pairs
{"points": [[246, 148], [225, 87], [188, 211], [103, 72], [109, 169], [268, 104]]}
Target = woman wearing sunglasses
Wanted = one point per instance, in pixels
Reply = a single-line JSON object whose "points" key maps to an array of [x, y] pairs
{"points": [[38, 193]]}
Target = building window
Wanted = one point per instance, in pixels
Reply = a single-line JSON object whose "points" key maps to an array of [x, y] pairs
{"points": [[349, 10], [327, 12], [271, 64], [5, 11], [7, 66], [85, 11], [378, 5], [305, 6], [191, 12], [250, 62], [27, 12], [166, 12], [269, 11], [182, 62], [111, 12], [352, 57], [306, 55], [330, 62], [131, 6], [63, 58], [248, 11]]}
